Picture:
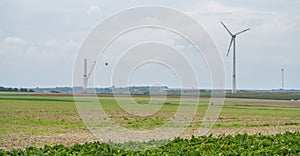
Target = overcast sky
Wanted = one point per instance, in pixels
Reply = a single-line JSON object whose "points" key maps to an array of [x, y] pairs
{"points": [[39, 40]]}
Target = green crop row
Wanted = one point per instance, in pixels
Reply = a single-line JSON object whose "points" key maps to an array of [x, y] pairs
{"points": [[241, 144], [266, 95]]}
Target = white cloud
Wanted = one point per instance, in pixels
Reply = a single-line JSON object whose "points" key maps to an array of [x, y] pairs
{"points": [[14, 40], [93, 10], [280, 25], [47, 58]]}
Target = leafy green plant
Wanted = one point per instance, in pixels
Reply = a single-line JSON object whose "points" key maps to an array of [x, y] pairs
{"points": [[241, 144]]}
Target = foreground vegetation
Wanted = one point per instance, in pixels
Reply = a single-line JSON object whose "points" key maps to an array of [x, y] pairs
{"points": [[279, 144]]}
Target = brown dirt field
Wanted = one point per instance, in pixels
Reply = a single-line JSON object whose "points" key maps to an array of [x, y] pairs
{"points": [[99, 95], [262, 103], [21, 141]]}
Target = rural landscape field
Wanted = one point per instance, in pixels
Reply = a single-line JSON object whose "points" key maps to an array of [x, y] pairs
{"points": [[51, 122], [118, 78]]}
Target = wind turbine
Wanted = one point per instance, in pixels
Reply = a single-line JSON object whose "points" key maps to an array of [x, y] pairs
{"points": [[86, 76], [233, 36], [282, 79]]}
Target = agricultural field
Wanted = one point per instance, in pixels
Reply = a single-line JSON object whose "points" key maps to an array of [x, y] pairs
{"points": [[52, 119]]}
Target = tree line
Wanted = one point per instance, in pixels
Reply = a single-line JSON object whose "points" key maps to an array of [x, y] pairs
{"points": [[9, 89]]}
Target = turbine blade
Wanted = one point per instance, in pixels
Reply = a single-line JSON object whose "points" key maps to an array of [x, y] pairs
{"points": [[92, 68], [242, 31], [226, 28], [229, 46]]}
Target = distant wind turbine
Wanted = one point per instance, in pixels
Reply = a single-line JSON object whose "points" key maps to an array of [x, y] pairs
{"points": [[233, 36], [86, 76], [282, 79]]}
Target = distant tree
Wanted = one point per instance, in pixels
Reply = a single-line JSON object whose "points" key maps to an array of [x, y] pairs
{"points": [[10, 89], [24, 90], [54, 91], [2, 88]]}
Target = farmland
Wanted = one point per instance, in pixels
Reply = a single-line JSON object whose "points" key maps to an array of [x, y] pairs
{"points": [[38, 120]]}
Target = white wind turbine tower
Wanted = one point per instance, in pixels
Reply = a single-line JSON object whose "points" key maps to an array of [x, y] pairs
{"points": [[86, 76], [233, 36]]}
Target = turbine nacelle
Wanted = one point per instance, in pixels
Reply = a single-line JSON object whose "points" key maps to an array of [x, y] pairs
{"points": [[233, 36]]}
